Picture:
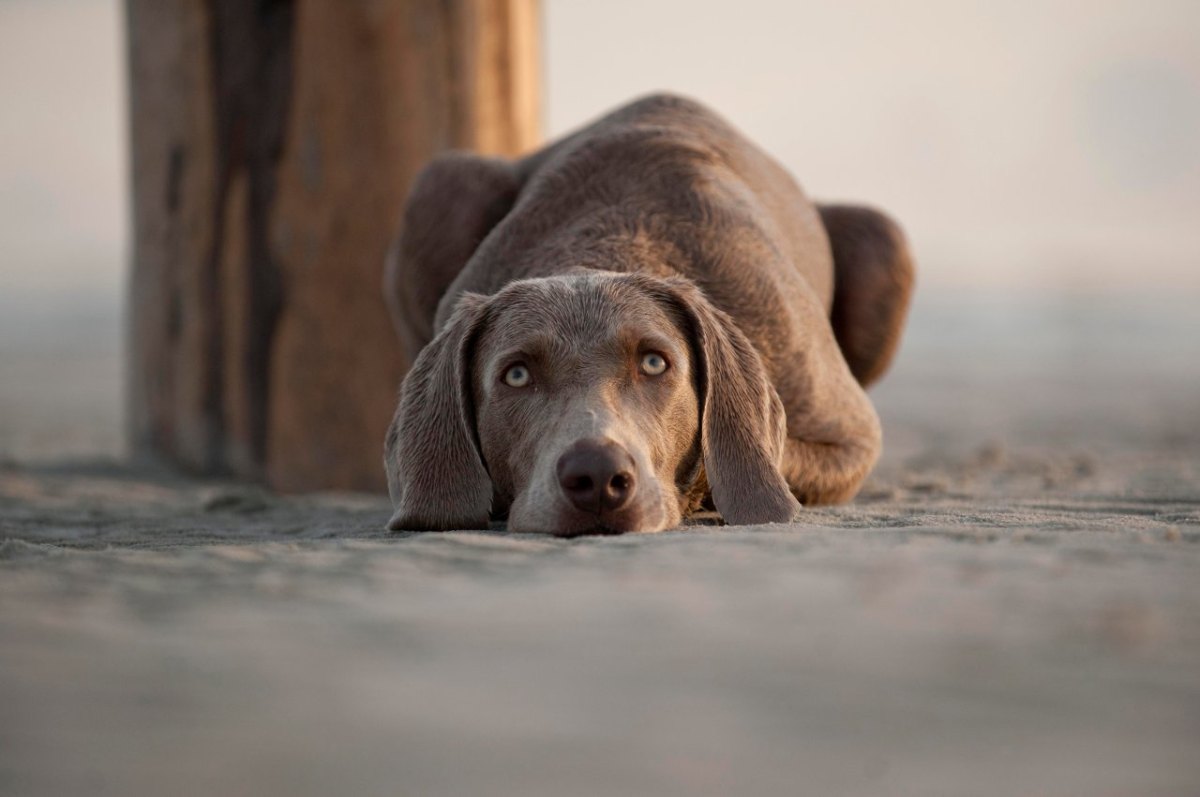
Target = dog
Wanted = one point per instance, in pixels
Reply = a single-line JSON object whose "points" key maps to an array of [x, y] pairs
{"points": [[645, 318]]}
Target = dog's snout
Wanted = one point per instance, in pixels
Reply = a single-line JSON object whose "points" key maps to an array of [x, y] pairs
{"points": [[597, 475]]}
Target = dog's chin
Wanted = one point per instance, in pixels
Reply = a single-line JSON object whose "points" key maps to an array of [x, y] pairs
{"points": [[578, 524], [570, 522]]}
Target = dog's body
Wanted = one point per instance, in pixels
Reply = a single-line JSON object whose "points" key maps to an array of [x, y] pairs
{"points": [[538, 299]]}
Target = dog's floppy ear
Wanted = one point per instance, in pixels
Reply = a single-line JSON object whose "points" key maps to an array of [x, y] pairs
{"points": [[742, 424], [436, 475]]}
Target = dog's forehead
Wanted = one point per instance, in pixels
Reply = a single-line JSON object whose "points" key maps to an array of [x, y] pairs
{"points": [[585, 307]]}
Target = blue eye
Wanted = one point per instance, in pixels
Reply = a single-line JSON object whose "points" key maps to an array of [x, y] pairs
{"points": [[517, 376], [653, 364]]}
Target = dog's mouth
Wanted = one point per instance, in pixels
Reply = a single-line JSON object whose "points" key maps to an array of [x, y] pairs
{"points": [[573, 523], [608, 524], [597, 530]]}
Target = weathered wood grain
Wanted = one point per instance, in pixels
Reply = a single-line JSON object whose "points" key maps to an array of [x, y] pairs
{"points": [[272, 146]]}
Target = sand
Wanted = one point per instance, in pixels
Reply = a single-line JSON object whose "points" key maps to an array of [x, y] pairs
{"points": [[1012, 606]]}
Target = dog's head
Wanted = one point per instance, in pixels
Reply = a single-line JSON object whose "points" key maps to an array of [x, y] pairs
{"points": [[594, 402]]}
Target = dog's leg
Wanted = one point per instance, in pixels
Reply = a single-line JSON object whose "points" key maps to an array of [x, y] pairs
{"points": [[833, 433], [873, 279], [829, 472], [455, 202]]}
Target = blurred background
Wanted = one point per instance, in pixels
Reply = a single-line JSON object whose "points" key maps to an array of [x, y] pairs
{"points": [[1043, 155]]}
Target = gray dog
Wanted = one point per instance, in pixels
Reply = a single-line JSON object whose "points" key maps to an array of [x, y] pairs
{"points": [[642, 318]]}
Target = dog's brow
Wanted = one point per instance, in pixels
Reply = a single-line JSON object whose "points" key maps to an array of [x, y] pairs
{"points": [[656, 342], [639, 338], [533, 347]]}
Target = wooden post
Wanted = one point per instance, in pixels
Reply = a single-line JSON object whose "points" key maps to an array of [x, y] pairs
{"points": [[273, 144]]}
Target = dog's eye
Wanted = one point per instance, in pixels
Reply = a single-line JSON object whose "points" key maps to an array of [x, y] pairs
{"points": [[517, 376], [653, 364]]}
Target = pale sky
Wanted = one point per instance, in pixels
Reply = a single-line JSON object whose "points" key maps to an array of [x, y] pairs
{"points": [[1031, 143], [63, 157], [1019, 142]]}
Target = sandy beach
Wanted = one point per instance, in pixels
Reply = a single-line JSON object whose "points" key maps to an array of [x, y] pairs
{"points": [[1010, 607]]}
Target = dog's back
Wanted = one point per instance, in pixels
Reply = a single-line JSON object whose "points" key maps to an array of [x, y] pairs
{"points": [[670, 159]]}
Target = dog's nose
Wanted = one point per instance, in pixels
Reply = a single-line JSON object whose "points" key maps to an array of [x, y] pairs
{"points": [[597, 475]]}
